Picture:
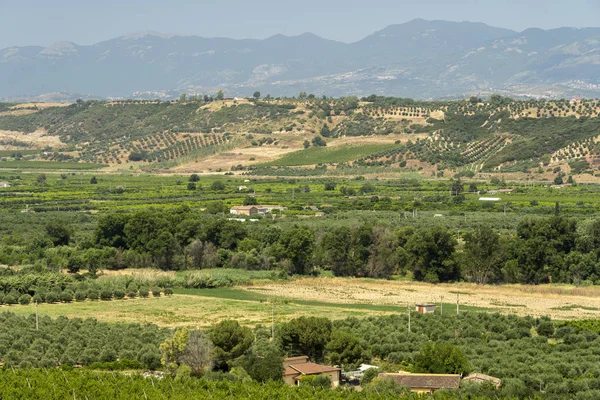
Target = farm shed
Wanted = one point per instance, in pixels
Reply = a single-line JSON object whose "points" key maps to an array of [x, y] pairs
{"points": [[294, 368], [481, 378], [424, 383], [244, 210], [425, 308]]}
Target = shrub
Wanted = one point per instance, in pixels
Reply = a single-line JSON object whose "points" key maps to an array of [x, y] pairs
{"points": [[37, 298], [93, 294], [156, 291], [144, 292], [369, 375], [80, 295], [132, 293], [66, 296], [119, 294], [51, 297], [545, 328], [106, 294], [24, 299], [168, 292]]}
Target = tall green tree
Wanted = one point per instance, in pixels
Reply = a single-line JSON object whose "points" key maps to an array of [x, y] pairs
{"points": [[483, 255], [298, 245], [231, 340], [306, 336], [441, 358], [432, 254]]}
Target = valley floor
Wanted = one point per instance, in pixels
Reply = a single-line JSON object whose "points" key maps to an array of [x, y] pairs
{"points": [[328, 297]]}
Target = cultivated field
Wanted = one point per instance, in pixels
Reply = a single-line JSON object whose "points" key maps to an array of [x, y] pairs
{"points": [[335, 298], [557, 301]]}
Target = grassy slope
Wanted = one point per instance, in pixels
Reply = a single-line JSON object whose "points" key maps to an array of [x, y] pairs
{"points": [[317, 155]]}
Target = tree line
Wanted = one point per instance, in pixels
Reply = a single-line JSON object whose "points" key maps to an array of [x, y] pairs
{"points": [[542, 250]]}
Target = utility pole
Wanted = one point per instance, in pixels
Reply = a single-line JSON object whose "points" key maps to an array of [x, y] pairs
{"points": [[408, 318], [441, 305], [272, 321], [457, 303], [36, 316]]}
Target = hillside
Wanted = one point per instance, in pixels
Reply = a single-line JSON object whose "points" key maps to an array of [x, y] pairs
{"points": [[274, 136], [420, 59]]}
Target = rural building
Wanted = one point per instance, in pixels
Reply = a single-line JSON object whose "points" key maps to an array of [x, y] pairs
{"points": [[481, 378], [294, 368], [270, 208], [240, 188], [4, 185], [506, 190], [244, 210], [489, 199], [359, 372], [253, 210], [320, 214], [424, 383], [425, 308]]}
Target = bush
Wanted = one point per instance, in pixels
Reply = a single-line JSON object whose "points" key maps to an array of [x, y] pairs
{"points": [[545, 328], [93, 294], [144, 292], [106, 294], [66, 296], [369, 375], [51, 297], [132, 293], [168, 292], [24, 299], [37, 298], [119, 294], [156, 291], [10, 299], [80, 295]]}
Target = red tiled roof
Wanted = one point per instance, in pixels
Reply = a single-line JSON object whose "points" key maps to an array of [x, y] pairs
{"points": [[308, 368], [425, 381], [296, 358]]}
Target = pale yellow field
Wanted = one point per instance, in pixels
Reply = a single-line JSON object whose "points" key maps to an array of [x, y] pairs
{"points": [[334, 298], [558, 301]]}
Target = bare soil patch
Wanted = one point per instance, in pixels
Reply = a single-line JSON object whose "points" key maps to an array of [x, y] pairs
{"points": [[37, 139]]}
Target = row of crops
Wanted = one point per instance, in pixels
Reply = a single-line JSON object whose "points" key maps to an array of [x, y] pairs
{"points": [[163, 146]]}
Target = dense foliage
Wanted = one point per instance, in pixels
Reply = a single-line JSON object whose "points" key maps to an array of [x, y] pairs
{"points": [[58, 385], [63, 341]]}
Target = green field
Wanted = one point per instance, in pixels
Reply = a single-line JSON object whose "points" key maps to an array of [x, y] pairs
{"points": [[49, 165], [324, 155]]}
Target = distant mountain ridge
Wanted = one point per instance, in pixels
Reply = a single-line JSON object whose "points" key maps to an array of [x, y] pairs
{"points": [[420, 59]]}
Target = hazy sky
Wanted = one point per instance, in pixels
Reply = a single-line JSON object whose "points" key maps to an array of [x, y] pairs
{"points": [[42, 22]]}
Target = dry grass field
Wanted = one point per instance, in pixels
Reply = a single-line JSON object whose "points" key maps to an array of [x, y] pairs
{"points": [[327, 297], [557, 301], [37, 139]]}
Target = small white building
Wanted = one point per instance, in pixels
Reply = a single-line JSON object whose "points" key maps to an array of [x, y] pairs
{"points": [[4, 185], [425, 308]]}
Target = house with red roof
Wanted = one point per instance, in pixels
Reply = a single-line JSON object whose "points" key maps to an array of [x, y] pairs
{"points": [[294, 368]]}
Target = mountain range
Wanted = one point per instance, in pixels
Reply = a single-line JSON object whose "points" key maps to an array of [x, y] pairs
{"points": [[419, 59]]}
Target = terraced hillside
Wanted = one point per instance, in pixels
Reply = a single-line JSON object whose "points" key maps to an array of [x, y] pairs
{"points": [[500, 134]]}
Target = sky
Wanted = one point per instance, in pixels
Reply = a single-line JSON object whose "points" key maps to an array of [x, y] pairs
{"points": [[43, 22]]}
